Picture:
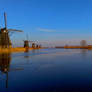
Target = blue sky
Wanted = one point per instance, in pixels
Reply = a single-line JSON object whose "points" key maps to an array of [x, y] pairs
{"points": [[49, 20]]}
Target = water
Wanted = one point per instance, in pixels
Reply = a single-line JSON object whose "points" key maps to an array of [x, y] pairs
{"points": [[46, 70]]}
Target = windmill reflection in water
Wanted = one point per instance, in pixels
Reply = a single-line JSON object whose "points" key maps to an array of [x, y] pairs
{"points": [[5, 61]]}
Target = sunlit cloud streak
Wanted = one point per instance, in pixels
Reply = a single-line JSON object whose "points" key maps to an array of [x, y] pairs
{"points": [[74, 31], [46, 30]]}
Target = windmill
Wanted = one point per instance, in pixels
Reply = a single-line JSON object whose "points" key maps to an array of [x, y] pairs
{"points": [[26, 42], [34, 43], [5, 41]]}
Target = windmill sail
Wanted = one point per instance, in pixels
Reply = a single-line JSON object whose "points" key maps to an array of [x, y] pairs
{"points": [[5, 19], [14, 30]]}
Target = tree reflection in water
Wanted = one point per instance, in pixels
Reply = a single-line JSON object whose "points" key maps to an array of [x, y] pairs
{"points": [[84, 53]]}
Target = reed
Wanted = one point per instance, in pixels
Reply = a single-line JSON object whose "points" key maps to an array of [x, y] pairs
{"points": [[12, 50]]}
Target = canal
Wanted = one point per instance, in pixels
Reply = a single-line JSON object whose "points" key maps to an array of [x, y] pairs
{"points": [[46, 70]]}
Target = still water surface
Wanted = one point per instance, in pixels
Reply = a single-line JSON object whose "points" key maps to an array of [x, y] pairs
{"points": [[46, 70]]}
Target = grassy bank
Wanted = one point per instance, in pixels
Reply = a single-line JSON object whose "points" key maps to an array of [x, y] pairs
{"points": [[12, 50], [75, 47]]}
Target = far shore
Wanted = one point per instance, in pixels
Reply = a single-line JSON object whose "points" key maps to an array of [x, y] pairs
{"points": [[21, 49], [75, 47]]}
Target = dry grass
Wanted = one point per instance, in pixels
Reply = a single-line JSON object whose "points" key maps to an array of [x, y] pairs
{"points": [[78, 47], [12, 50]]}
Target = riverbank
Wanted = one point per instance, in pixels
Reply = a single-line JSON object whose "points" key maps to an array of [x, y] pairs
{"points": [[75, 47], [14, 50]]}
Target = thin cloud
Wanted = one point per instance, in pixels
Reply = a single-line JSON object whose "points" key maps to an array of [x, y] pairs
{"points": [[53, 30], [45, 30]]}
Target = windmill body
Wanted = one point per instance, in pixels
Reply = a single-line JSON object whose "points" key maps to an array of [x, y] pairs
{"points": [[5, 41], [26, 44]]}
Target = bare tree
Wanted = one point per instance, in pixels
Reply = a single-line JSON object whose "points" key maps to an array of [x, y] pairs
{"points": [[83, 43]]}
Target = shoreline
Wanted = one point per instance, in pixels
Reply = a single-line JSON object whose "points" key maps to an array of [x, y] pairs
{"points": [[16, 50], [74, 47], [22, 49]]}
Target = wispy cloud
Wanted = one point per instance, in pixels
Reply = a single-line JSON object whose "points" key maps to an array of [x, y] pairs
{"points": [[54, 30], [45, 30], [64, 31]]}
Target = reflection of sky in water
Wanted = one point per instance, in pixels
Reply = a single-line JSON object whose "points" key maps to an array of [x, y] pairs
{"points": [[49, 70]]}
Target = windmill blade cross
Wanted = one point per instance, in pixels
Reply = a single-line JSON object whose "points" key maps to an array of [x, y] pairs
{"points": [[15, 30]]}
